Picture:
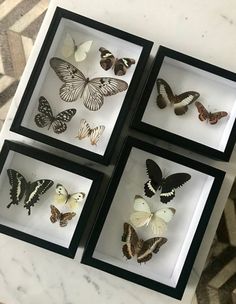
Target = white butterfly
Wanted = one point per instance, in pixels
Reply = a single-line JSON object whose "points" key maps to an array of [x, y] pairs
{"points": [[70, 48], [71, 200], [86, 131], [143, 216]]}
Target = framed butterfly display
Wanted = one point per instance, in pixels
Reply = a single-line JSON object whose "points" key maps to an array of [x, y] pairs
{"points": [[81, 86], [46, 200], [157, 218], [182, 104]]}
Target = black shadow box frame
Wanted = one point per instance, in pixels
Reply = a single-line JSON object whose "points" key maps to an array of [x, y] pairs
{"points": [[209, 73], [145, 48], [105, 219], [28, 154]]}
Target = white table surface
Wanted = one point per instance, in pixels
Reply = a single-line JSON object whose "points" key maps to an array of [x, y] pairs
{"points": [[203, 29]]}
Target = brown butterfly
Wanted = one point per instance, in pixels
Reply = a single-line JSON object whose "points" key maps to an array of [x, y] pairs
{"points": [[135, 246], [63, 218], [120, 65], [180, 102], [208, 116]]}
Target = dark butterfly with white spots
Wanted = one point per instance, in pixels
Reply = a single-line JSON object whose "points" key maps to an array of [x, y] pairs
{"points": [[76, 85], [180, 102], [136, 246], [63, 218], [86, 131], [213, 118], [166, 185], [46, 118], [120, 65], [20, 188]]}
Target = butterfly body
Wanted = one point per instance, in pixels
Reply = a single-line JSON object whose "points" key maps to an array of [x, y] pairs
{"points": [[210, 117], [180, 102], [167, 185], [136, 246], [31, 190], [63, 218], [71, 200]]}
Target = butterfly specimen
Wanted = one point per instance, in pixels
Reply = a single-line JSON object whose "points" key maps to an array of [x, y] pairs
{"points": [[180, 102], [46, 118], [208, 116], [86, 131], [20, 187], [135, 246], [63, 218], [70, 48], [109, 61], [76, 85], [166, 185], [71, 200], [143, 216]]}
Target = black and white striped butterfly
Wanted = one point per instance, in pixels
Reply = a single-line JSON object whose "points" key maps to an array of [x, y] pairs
{"points": [[46, 118], [180, 102], [76, 85], [86, 131], [166, 185], [20, 188], [120, 65]]}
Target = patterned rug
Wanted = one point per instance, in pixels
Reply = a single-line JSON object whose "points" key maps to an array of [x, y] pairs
{"points": [[20, 21]]}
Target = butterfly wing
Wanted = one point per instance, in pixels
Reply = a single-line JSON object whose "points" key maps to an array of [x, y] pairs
{"points": [[45, 117], [140, 204], [171, 183], [97, 88], [214, 117], [84, 129], [107, 59], [18, 186], [55, 214], [149, 247], [203, 113], [183, 100], [65, 217], [34, 191], [82, 50], [61, 196], [74, 80], [95, 134], [59, 124], [155, 175], [121, 65], [140, 218], [164, 93], [75, 198], [160, 219], [68, 46], [130, 238]]}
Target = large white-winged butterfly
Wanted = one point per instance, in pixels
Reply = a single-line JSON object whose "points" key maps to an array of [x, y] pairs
{"points": [[144, 217], [180, 102], [136, 246], [31, 190], [46, 118], [86, 131], [209, 116], [76, 85], [70, 48], [71, 200], [120, 65], [166, 185], [63, 218]]}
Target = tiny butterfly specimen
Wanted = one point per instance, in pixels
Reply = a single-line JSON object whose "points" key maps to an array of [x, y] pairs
{"points": [[63, 218], [109, 61], [86, 131], [70, 48], [144, 217], [31, 190], [180, 102], [135, 246], [166, 185], [77, 85], [46, 118], [213, 118], [62, 197]]}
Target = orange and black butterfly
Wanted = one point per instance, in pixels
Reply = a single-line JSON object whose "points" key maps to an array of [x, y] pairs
{"points": [[120, 65], [180, 102], [63, 218], [209, 116]]}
